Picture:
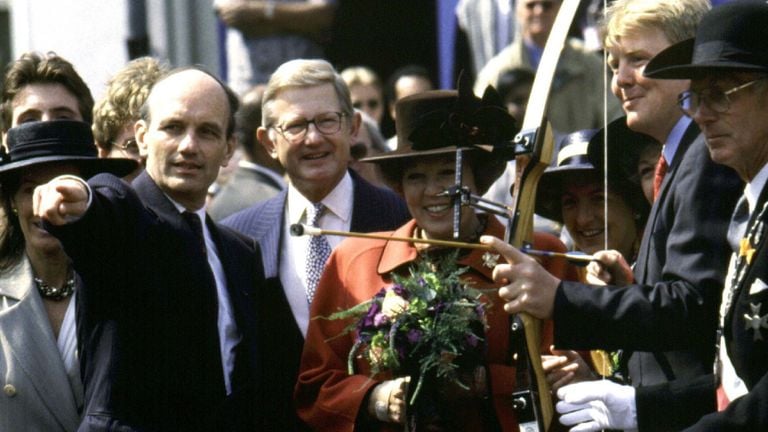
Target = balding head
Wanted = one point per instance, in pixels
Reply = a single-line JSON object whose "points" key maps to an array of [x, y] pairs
{"points": [[186, 134]]}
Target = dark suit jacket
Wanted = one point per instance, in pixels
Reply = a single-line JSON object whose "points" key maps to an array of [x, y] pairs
{"points": [[374, 209], [748, 347], [147, 330], [679, 277]]}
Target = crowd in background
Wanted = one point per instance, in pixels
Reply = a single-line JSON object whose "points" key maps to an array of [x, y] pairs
{"points": [[151, 278]]}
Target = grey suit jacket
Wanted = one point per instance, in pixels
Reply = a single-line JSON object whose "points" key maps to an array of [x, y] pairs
{"points": [[38, 393]]}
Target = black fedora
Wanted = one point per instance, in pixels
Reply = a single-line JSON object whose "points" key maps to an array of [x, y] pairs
{"points": [[581, 153], [440, 122], [730, 37], [69, 141]]}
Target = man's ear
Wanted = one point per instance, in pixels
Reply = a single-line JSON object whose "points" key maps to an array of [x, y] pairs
{"points": [[267, 139], [140, 130], [355, 122], [231, 144]]}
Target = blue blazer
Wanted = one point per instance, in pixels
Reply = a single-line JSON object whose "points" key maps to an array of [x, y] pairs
{"points": [[147, 316], [374, 209]]}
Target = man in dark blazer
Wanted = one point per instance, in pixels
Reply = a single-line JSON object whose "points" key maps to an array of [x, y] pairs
{"points": [[166, 318], [682, 260], [728, 99], [308, 125]]}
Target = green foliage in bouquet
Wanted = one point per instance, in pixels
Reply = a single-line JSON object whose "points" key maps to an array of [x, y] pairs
{"points": [[427, 323]]}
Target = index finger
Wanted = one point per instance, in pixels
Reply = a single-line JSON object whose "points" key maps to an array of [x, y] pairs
{"points": [[509, 252]]}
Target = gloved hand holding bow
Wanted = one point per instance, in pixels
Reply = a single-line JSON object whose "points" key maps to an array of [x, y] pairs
{"points": [[597, 405]]}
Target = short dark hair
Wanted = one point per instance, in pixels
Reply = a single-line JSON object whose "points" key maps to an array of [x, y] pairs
{"points": [[407, 70], [49, 68]]}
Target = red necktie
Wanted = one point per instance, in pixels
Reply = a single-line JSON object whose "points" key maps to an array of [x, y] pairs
{"points": [[658, 175]]}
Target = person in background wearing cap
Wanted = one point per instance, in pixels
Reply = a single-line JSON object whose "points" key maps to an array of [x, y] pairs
{"points": [[420, 169], [572, 192], [39, 366], [167, 305], [308, 125]]}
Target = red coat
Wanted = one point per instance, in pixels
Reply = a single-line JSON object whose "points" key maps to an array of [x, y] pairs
{"points": [[329, 399]]}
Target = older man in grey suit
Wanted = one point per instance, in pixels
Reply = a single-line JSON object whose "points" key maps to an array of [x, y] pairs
{"points": [[308, 125]]}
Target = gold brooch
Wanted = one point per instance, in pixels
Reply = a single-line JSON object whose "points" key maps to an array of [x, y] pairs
{"points": [[746, 250], [490, 260]]}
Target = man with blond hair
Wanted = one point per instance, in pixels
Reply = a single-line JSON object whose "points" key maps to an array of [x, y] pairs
{"points": [[682, 260], [116, 113], [308, 124]]}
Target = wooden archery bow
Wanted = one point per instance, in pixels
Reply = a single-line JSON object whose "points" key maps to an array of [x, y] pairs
{"points": [[535, 147]]}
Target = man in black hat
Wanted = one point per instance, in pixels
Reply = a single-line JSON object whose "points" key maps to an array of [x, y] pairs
{"points": [[167, 315]]}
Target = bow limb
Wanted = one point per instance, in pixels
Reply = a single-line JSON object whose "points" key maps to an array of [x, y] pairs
{"points": [[535, 147]]}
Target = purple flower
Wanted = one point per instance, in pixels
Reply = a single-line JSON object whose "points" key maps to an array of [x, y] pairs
{"points": [[380, 319], [472, 340], [413, 336]]}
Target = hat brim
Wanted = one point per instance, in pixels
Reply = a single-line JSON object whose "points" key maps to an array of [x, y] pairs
{"points": [[549, 191], [89, 166], [676, 62], [395, 156]]}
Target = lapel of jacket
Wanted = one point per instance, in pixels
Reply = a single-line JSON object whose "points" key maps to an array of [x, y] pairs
{"points": [[29, 338], [749, 252], [269, 231], [641, 269]]}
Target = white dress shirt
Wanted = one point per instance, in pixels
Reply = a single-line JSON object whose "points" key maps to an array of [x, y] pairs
{"points": [[294, 250]]}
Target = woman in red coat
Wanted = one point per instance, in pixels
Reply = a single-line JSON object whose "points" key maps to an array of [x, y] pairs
{"points": [[327, 397]]}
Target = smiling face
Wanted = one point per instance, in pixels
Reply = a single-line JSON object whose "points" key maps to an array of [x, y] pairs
{"points": [[44, 102], [184, 141], [317, 162], [583, 206], [738, 137], [650, 104], [36, 239], [422, 180]]}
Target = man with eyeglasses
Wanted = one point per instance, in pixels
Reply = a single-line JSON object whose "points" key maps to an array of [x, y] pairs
{"points": [[308, 124], [116, 113], [727, 64], [682, 259]]}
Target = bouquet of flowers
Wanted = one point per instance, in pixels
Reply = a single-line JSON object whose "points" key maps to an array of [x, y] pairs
{"points": [[426, 324]]}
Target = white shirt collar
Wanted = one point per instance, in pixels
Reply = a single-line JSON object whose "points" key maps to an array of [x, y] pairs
{"points": [[338, 201], [753, 188]]}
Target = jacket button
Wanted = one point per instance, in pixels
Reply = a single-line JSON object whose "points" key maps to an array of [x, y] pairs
{"points": [[9, 390]]}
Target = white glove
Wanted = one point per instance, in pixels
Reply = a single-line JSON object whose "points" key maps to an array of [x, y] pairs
{"points": [[596, 405]]}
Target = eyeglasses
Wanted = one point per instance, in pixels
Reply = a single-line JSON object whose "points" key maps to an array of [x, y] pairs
{"points": [[129, 147], [545, 5], [326, 123], [370, 104], [717, 100]]}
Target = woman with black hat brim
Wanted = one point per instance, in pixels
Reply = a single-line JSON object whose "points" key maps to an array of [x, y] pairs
{"points": [[37, 282], [572, 191], [430, 127]]}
